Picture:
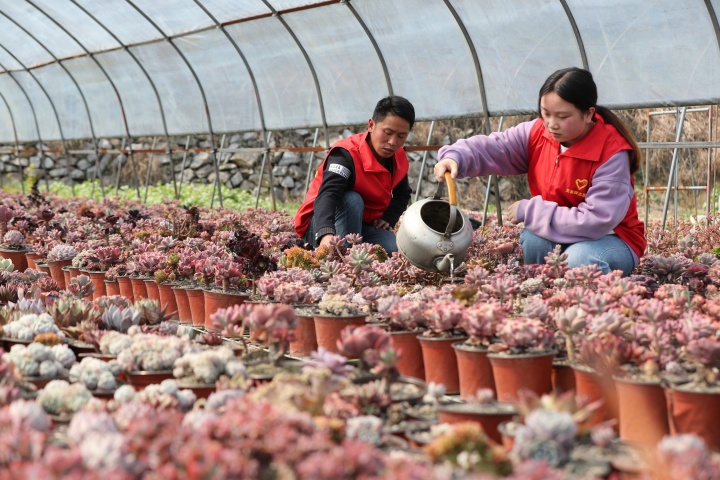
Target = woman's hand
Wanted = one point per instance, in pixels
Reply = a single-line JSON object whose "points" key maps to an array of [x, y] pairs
{"points": [[382, 224], [511, 214], [445, 165]]}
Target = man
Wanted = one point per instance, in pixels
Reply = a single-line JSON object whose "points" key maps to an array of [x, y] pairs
{"points": [[362, 185]]}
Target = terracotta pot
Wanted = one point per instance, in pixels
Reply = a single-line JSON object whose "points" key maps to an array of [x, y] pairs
{"points": [[74, 271], [98, 279], [200, 390], [66, 275], [474, 369], [18, 258], [215, 300], [563, 377], [126, 288], [112, 287], [103, 394], [196, 299], [411, 360], [40, 382], [100, 356], [696, 412], [643, 411], [56, 271], [167, 298], [139, 288], [79, 347], [305, 339], [30, 257], [140, 379], [183, 304], [44, 268], [328, 328], [488, 420], [440, 362], [592, 387], [513, 373], [153, 292], [507, 434]]}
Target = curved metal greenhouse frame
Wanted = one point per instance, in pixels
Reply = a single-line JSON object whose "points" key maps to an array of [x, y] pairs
{"points": [[91, 69]]}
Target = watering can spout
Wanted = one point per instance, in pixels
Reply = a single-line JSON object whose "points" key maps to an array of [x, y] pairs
{"points": [[443, 263]]}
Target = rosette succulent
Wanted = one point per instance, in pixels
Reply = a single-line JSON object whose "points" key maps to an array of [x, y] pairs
{"points": [[113, 343], [38, 360], [62, 398], [120, 319], [14, 240], [153, 352], [546, 435], [29, 325], [61, 252], [166, 394], [95, 374], [206, 366]]}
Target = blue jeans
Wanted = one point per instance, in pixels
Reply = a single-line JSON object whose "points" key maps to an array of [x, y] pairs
{"points": [[348, 219], [609, 252]]}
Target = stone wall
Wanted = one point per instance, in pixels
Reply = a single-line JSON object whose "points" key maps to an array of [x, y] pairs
{"points": [[236, 169]]}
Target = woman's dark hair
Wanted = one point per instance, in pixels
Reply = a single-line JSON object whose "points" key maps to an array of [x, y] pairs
{"points": [[576, 86], [394, 105]]}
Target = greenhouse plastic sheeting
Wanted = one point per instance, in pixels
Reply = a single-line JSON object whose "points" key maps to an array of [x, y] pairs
{"points": [[125, 68]]}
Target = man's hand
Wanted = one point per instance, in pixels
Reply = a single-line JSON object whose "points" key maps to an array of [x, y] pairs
{"points": [[382, 224], [445, 165], [325, 240], [511, 214]]}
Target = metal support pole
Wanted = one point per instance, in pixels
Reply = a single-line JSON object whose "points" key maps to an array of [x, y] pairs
{"points": [[119, 167], [311, 161], [673, 170], [266, 153], [424, 160], [149, 167], [491, 178], [182, 165], [216, 183]]}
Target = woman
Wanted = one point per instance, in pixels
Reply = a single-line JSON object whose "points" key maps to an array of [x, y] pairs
{"points": [[580, 159]]}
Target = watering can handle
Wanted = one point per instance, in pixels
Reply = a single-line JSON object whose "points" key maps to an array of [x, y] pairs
{"points": [[452, 196]]}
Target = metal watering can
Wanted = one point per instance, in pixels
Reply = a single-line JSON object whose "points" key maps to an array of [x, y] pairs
{"points": [[434, 234]]}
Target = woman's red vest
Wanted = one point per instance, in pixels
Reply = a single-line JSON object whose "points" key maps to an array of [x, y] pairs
{"points": [[564, 178], [372, 181]]}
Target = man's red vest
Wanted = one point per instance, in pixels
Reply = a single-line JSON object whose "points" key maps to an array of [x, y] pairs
{"points": [[565, 178], [372, 181]]}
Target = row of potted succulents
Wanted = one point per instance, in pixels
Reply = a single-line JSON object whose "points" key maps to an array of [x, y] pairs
{"points": [[658, 324]]}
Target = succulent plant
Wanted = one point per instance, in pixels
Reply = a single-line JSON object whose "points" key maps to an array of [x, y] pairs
{"points": [[152, 352], [231, 321], [151, 313], [523, 335], [545, 435], [480, 321], [62, 398], [443, 318], [467, 447], [206, 366], [95, 374], [38, 360], [81, 286], [14, 240], [120, 319], [273, 325], [61, 252], [340, 305], [28, 326], [70, 312], [112, 342]]}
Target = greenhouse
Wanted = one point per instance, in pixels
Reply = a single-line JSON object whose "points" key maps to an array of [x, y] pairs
{"points": [[161, 336]]}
